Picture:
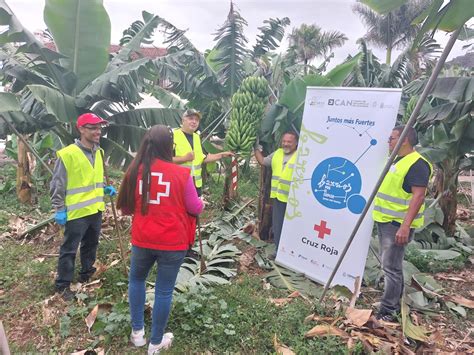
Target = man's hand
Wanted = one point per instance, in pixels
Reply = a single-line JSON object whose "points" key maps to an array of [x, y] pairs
{"points": [[226, 154], [189, 156], [110, 190], [402, 235], [61, 217]]}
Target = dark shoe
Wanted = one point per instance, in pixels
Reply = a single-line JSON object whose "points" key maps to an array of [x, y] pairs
{"points": [[84, 278], [388, 317], [66, 294]]}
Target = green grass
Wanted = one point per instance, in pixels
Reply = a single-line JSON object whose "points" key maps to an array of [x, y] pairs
{"points": [[426, 262], [231, 318], [240, 318]]}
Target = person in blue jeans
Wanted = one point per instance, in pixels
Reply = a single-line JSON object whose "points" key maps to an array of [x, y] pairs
{"points": [[398, 210], [163, 201]]}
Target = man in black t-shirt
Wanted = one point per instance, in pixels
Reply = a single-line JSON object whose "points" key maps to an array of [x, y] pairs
{"points": [[398, 210]]}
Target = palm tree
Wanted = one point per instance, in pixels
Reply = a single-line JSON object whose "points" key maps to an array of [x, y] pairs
{"points": [[394, 29], [309, 42]]}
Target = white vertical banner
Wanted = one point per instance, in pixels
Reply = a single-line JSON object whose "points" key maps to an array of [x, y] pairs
{"points": [[341, 152]]}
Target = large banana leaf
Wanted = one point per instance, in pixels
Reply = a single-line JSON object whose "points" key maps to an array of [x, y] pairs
{"points": [[22, 70], [190, 76], [294, 94], [448, 141], [270, 36], [126, 130], [55, 102], [218, 258], [133, 45], [122, 84], [231, 50], [383, 6], [81, 31], [454, 89], [167, 98], [286, 279], [445, 16], [10, 109]]}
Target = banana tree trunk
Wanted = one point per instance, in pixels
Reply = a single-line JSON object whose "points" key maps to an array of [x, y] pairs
{"points": [[264, 204], [447, 182], [23, 176]]}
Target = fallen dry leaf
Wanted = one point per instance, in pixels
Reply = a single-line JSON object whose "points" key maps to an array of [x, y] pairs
{"points": [[324, 330], [281, 348], [247, 258], [294, 294], [314, 317], [450, 278], [437, 339], [100, 268], [373, 323], [280, 302], [358, 317], [462, 301], [113, 263], [90, 319], [373, 340]]}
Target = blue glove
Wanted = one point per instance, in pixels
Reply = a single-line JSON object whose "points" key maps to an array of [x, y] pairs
{"points": [[61, 217], [110, 190]]}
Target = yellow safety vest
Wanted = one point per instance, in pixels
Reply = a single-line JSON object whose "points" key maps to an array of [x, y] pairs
{"points": [[85, 183], [391, 202], [281, 176], [183, 147]]}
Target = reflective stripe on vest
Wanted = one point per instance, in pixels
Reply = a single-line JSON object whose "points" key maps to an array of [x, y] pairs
{"points": [[183, 147], [281, 176], [85, 184], [391, 202]]}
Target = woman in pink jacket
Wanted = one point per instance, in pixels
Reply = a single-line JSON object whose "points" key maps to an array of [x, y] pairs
{"points": [[163, 201]]}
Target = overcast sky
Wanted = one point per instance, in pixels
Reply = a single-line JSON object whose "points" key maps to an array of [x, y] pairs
{"points": [[203, 17]]}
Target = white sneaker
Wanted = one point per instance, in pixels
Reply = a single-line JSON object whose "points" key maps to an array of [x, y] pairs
{"points": [[138, 337], [154, 349]]}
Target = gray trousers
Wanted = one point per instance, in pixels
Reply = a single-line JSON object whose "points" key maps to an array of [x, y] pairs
{"points": [[392, 256], [278, 215]]}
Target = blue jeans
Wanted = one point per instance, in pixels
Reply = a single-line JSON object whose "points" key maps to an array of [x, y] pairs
{"points": [[168, 264], [392, 256], [84, 231]]}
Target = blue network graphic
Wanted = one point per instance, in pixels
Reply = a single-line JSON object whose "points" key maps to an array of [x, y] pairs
{"points": [[336, 182]]}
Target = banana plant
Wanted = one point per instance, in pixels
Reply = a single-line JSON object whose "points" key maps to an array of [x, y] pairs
{"points": [[219, 258], [446, 133], [49, 90]]}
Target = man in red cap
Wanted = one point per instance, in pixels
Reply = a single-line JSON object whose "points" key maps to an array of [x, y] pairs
{"points": [[77, 194]]}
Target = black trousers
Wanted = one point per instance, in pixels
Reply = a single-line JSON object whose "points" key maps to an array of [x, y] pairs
{"points": [[85, 232], [278, 215]]}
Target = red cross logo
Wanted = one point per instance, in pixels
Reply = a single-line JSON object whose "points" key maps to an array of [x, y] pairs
{"points": [[321, 229], [160, 183]]}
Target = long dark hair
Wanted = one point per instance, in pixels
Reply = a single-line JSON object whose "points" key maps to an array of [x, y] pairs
{"points": [[157, 143]]}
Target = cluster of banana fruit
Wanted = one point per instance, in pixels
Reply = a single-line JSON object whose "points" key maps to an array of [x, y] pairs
{"points": [[248, 107]]}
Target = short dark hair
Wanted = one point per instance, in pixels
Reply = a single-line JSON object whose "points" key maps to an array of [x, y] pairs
{"points": [[292, 133], [411, 134]]}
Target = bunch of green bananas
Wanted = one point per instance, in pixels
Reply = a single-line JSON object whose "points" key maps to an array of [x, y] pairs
{"points": [[248, 107]]}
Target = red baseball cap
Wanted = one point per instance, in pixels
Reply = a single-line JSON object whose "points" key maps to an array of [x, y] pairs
{"points": [[89, 118]]}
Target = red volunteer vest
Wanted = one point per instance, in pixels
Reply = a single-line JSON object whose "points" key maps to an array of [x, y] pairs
{"points": [[167, 226]]}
